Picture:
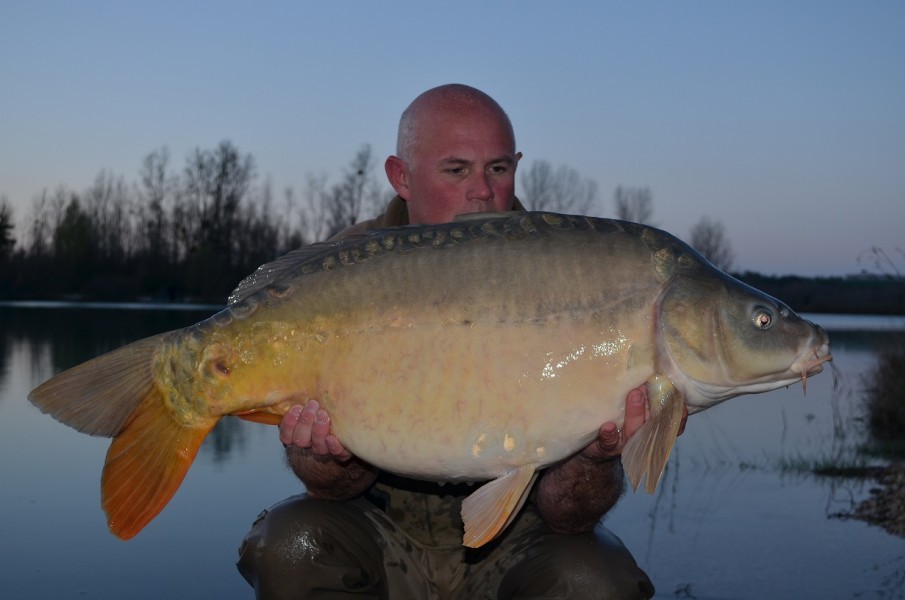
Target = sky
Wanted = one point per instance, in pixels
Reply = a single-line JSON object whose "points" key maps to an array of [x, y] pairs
{"points": [[783, 120]]}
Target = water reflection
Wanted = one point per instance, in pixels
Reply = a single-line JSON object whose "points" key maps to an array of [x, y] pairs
{"points": [[66, 335], [227, 436], [56, 542], [58, 336]]}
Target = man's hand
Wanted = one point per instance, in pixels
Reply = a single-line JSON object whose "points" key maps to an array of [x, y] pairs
{"points": [[328, 470], [309, 427], [610, 439], [573, 495]]}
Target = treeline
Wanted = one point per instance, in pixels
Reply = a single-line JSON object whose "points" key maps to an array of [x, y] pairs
{"points": [[173, 236], [868, 294], [193, 235]]}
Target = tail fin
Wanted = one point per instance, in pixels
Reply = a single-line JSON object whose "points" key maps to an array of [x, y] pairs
{"points": [[145, 465], [115, 395]]}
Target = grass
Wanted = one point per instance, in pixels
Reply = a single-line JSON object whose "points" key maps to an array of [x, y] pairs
{"points": [[850, 467], [884, 399], [879, 429]]}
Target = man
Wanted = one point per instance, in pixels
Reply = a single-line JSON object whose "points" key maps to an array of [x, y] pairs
{"points": [[397, 538]]}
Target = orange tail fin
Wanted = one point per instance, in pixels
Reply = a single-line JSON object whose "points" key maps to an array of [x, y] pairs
{"points": [[145, 465], [115, 395]]}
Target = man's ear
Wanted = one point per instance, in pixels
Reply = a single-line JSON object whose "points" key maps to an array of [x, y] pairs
{"points": [[398, 176]]}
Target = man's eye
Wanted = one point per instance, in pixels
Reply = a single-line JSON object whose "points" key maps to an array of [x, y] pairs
{"points": [[455, 170], [499, 169]]}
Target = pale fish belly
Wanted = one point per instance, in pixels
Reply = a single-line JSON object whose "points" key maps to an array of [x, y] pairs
{"points": [[472, 402]]}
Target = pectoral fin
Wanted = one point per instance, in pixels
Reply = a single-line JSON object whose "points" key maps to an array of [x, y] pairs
{"points": [[647, 451], [492, 507]]}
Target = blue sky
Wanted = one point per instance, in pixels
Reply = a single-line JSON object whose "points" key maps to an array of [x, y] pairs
{"points": [[782, 120]]}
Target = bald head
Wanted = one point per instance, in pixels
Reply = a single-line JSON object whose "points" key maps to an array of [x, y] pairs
{"points": [[448, 102], [455, 155]]}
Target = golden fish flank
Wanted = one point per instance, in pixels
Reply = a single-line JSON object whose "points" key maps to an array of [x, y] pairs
{"points": [[555, 364], [460, 336]]}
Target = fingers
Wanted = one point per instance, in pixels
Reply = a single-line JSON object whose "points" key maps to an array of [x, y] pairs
{"points": [[296, 426], [319, 432], [288, 424], [609, 440], [308, 426], [635, 411], [337, 450]]}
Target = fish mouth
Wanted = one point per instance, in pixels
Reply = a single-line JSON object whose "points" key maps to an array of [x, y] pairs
{"points": [[812, 363]]}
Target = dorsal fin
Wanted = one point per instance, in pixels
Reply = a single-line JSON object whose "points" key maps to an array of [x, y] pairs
{"points": [[290, 264], [272, 272]]}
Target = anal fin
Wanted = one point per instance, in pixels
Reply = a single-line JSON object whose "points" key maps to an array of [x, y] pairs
{"points": [[492, 507]]}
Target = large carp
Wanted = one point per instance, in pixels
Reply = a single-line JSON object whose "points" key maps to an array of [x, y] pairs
{"points": [[482, 349]]}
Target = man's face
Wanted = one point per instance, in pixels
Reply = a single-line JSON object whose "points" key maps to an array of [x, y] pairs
{"points": [[459, 165]]}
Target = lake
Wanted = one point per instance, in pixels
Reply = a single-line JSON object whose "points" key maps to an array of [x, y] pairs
{"points": [[727, 522]]}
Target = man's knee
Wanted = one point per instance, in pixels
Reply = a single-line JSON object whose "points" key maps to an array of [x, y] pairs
{"points": [[305, 544], [592, 565]]}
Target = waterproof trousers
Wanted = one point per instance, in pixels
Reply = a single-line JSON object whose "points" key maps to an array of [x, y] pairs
{"points": [[307, 548]]}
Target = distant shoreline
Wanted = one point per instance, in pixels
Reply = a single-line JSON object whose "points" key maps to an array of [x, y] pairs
{"points": [[866, 295], [124, 305]]}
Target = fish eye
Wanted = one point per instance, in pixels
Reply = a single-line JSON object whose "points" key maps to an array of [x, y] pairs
{"points": [[763, 318]]}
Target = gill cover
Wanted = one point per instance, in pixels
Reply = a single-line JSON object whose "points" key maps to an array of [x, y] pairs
{"points": [[724, 334]]}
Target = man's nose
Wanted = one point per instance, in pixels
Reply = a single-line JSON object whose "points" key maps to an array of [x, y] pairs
{"points": [[480, 188]]}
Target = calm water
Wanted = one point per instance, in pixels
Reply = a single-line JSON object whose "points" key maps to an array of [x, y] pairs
{"points": [[725, 523]]}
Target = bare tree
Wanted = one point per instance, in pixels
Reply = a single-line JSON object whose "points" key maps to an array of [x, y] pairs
{"points": [[257, 240], [709, 238], [215, 184], [560, 190], [634, 204], [107, 206], [883, 263], [7, 241], [38, 234], [329, 210], [155, 194], [357, 191], [74, 240], [313, 219], [45, 218]]}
